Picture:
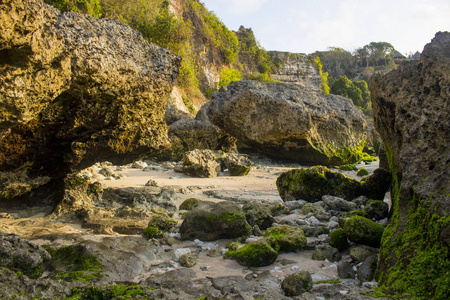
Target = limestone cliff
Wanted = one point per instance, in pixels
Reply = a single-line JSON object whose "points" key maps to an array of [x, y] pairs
{"points": [[286, 121], [296, 68], [412, 113], [75, 90]]}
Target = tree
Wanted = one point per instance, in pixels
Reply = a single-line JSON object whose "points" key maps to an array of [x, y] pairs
{"points": [[357, 91]]}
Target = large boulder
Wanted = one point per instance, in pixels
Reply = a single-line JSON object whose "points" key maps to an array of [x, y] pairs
{"points": [[289, 238], [76, 90], [412, 114], [363, 231], [288, 122], [210, 221], [262, 252], [312, 183], [201, 163]]}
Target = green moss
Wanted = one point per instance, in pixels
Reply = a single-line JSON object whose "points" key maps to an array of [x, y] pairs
{"points": [[348, 167], [256, 254], [73, 182], [153, 232], [368, 158], [338, 239], [25, 268], [239, 170], [189, 203], [331, 281], [72, 263], [115, 291], [162, 223], [288, 237], [362, 172], [232, 246], [363, 231]]}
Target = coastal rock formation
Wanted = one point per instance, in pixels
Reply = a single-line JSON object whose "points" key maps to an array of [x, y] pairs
{"points": [[296, 68], [76, 90], [412, 114], [287, 122]]}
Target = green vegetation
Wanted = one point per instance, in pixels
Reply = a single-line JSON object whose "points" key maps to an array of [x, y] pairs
{"points": [[115, 291], [363, 231], [362, 172], [323, 75], [189, 203], [357, 91], [289, 238], [228, 75], [92, 7], [256, 254], [331, 281], [153, 232], [348, 167], [338, 239], [72, 263], [414, 261]]}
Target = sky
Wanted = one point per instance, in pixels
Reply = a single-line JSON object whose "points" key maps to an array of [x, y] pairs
{"points": [[306, 26]]}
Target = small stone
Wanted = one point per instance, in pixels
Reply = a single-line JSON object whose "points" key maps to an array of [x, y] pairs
{"points": [[180, 252], [188, 260], [297, 283], [345, 270], [151, 182], [326, 252]]}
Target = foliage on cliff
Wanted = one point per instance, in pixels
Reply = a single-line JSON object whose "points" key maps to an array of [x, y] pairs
{"points": [[190, 31]]}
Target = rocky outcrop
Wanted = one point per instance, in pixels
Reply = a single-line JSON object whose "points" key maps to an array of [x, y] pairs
{"points": [[412, 115], [76, 90], [296, 68], [288, 122]]}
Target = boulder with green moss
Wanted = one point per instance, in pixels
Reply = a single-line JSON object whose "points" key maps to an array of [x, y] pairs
{"points": [[376, 209], [362, 172], [297, 283], [312, 183], [237, 165], [361, 230], [289, 122], [323, 252], [210, 221], [189, 203], [260, 253], [338, 239], [348, 167], [411, 114], [289, 238], [21, 255]]}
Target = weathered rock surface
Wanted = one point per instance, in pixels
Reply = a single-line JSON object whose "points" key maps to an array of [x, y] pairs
{"points": [[297, 283], [298, 69], [412, 115], [201, 163], [288, 122], [76, 90]]}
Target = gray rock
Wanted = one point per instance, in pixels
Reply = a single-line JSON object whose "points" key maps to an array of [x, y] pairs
{"points": [[366, 270], [288, 122], [21, 255], [188, 260], [360, 201], [345, 270], [237, 165], [323, 252], [338, 204], [297, 283], [173, 114], [361, 252], [258, 214], [200, 163]]}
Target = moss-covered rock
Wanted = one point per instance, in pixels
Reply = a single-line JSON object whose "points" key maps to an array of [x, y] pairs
{"points": [[189, 203], [338, 239], [362, 172], [323, 252], [347, 215], [363, 231], [376, 209], [210, 221], [162, 222], [289, 238], [297, 283], [312, 183], [238, 165], [260, 253], [348, 167]]}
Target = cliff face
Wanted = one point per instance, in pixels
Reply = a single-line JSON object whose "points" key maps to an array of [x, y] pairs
{"points": [[76, 90], [297, 69], [412, 115], [287, 122]]}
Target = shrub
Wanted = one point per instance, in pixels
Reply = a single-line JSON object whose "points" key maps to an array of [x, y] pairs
{"points": [[228, 75]]}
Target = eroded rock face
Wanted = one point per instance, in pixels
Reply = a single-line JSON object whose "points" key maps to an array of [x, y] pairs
{"points": [[76, 90], [412, 115], [285, 121]]}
